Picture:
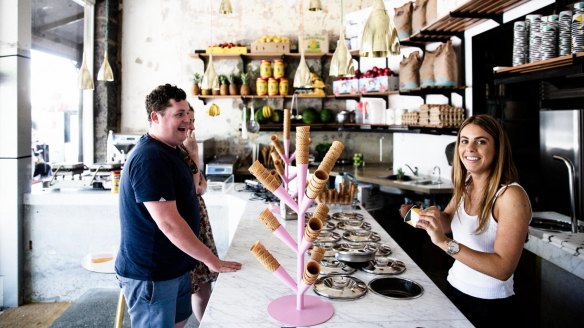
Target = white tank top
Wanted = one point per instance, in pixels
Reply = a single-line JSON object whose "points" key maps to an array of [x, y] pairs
{"points": [[462, 277]]}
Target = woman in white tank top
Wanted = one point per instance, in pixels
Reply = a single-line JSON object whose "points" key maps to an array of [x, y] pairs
{"points": [[488, 216]]}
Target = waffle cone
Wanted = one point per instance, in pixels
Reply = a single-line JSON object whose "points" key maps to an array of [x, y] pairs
{"points": [[269, 219], [279, 167], [278, 145], [312, 229], [321, 212], [275, 156], [311, 272], [327, 164], [272, 184], [264, 256], [317, 183], [286, 124], [317, 253]]}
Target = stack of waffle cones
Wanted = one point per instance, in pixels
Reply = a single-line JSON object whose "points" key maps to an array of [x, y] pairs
{"points": [[321, 212], [317, 184], [286, 124], [302, 144], [312, 229], [311, 272], [264, 256], [269, 219], [317, 254], [345, 194], [278, 145], [329, 160], [269, 180]]}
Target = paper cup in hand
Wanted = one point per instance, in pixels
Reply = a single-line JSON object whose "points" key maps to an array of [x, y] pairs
{"points": [[412, 216], [269, 219]]}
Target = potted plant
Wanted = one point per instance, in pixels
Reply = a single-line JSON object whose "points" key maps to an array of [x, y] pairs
{"points": [[223, 85], [245, 89], [233, 90], [400, 174], [196, 87]]}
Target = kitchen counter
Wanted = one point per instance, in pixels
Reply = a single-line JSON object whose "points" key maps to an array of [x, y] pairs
{"points": [[241, 299]]}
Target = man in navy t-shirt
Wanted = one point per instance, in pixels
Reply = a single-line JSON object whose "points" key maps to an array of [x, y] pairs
{"points": [[159, 214]]}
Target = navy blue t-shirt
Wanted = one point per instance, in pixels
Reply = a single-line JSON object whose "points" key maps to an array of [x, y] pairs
{"points": [[154, 172]]}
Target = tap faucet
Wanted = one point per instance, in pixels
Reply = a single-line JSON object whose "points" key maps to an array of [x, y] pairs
{"points": [[571, 184], [414, 170], [437, 168]]}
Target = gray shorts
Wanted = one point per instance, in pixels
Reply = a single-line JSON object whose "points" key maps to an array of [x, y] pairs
{"points": [[157, 303]]}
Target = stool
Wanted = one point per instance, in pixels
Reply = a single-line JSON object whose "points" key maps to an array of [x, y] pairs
{"points": [[120, 310]]}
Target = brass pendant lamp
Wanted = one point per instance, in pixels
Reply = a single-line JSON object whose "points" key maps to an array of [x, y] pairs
{"points": [[302, 75], [379, 34], [342, 61], [85, 76], [225, 7], [315, 5], [105, 72]]}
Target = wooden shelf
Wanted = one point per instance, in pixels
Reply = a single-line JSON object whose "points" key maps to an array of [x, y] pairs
{"points": [[357, 127], [562, 66], [469, 14], [201, 54]]}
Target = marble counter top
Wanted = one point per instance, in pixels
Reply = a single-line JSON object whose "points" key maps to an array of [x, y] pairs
{"points": [[241, 299]]}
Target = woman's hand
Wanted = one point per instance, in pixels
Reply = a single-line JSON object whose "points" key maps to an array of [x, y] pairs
{"points": [[430, 221], [202, 186]]}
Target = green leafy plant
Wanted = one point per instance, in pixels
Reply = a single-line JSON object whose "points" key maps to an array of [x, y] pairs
{"points": [[197, 78], [400, 174], [232, 78], [245, 77], [223, 80]]}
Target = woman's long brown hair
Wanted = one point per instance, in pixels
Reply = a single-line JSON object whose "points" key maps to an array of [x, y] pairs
{"points": [[503, 170]]}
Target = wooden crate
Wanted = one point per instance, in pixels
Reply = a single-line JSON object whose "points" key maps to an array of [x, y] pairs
{"points": [[270, 47]]}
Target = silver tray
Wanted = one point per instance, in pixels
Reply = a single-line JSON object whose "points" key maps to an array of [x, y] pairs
{"points": [[340, 287], [328, 236], [355, 252], [361, 236], [353, 225], [328, 226], [332, 266], [344, 216], [384, 266]]}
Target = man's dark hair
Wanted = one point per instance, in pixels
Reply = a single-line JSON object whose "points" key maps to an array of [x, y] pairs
{"points": [[159, 99]]}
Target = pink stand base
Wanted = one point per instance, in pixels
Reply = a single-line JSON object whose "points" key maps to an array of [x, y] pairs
{"points": [[314, 312]]}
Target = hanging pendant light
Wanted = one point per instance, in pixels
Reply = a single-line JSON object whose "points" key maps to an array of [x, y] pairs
{"points": [[342, 61], [210, 80], [225, 7], [105, 72], [315, 5], [302, 75], [85, 78], [379, 34]]}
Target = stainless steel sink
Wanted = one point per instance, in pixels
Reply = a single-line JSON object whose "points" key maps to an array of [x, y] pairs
{"points": [[426, 182], [394, 177]]}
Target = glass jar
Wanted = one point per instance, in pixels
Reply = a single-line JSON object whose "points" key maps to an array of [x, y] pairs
{"points": [[116, 181], [266, 69], [283, 86], [273, 88], [261, 86], [278, 68]]}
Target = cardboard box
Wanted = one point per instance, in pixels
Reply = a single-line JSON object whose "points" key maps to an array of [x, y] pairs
{"points": [[225, 50], [270, 47], [343, 87], [378, 84], [316, 43]]}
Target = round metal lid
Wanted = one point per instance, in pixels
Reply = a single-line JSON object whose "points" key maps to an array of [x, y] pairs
{"points": [[332, 266], [353, 225], [356, 248], [340, 287], [396, 288], [383, 250], [361, 235], [328, 226], [344, 216], [384, 266], [328, 236], [308, 215], [327, 246]]}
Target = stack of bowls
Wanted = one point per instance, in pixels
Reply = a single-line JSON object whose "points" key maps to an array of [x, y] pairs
{"points": [[549, 37], [565, 35], [577, 32], [534, 22], [520, 43]]}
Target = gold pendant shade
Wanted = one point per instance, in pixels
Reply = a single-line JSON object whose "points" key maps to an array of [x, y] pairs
{"points": [[379, 34]]}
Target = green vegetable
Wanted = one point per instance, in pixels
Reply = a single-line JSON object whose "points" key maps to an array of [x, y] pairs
{"points": [[309, 115], [259, 117], [277, 116], [326, 115]]}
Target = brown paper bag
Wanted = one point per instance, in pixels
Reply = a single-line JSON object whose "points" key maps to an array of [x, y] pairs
{"points": [[446, 66], [431, 11], [403, 20], [419, 15], [409, 72], [427, 69]]}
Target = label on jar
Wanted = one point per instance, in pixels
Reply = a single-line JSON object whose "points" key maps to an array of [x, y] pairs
{"points": [[283, 87], [261, 86], [266, 69], [278, 69], [273, 88]]}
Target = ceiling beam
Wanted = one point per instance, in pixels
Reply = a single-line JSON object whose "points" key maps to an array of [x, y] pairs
{"points": [[59, 23]]}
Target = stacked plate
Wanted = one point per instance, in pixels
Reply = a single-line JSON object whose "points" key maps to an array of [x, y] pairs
{"points": [[534, 22], [520, 43], [579, 8], [565, 34], [577, 33], [549, 29]]}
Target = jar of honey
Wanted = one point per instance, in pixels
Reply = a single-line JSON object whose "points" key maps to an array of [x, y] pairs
{"points": [[266, 69], [273, 88], [116, 181], [278, 68], [261, 86], [283, 86]]}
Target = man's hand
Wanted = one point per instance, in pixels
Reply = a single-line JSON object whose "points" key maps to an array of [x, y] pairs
{"points": [[221, 266]]}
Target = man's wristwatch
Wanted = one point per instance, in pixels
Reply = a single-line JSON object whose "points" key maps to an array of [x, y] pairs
{"points": [[452, 247]]}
